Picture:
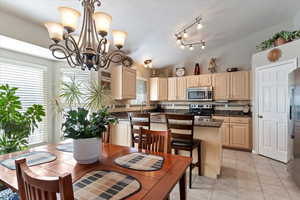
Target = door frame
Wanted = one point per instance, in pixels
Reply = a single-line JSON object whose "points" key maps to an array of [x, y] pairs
{"points": [[255, 100]]}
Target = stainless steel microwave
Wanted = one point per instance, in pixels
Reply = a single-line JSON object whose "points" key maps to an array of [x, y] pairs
{"points": [[200, 94]]}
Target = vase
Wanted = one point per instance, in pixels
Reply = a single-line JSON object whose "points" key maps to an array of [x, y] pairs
{"points": [[279, 41], [87, 151]]}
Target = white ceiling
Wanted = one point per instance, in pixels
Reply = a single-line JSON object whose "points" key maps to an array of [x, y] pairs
{"points": [[151, 24]]}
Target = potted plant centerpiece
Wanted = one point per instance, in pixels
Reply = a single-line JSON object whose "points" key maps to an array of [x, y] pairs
{"points": [[86, 131]]}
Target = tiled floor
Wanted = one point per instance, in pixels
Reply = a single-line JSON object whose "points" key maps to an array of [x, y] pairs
{"points": [[245, 176]]}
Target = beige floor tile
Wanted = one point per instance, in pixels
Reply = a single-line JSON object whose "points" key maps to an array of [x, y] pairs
{"points": [[244, 176]]}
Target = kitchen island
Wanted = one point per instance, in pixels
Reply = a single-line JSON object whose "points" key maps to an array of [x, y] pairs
{"points": [[206, 130]]}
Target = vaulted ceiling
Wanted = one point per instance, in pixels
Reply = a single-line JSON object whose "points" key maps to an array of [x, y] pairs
{"points": [[152, 24]]}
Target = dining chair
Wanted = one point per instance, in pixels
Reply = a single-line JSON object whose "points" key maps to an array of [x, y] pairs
{"points": [[138, 120], [155, 141], [34, 187], [106, 135], [182, 133]]}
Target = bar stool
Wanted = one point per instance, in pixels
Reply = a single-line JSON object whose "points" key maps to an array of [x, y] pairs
{"points": [[182, 133], [138, 120]]}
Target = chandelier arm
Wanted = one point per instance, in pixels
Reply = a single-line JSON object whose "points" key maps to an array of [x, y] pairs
{"points": [[75, 50], [56, 48]]}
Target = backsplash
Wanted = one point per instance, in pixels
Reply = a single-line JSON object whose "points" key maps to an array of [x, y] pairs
{"points": [[232, 105]]}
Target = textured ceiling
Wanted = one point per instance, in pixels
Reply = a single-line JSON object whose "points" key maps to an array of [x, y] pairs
{"points": [[151, 24]]}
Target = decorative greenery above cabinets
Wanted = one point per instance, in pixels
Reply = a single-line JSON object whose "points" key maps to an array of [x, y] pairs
{"points": [[279, 39]]}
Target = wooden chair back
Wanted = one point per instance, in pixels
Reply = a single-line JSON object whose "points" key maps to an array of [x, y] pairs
{"points": [[138, 120], [155, 141], [179, 124], [34, 187]]}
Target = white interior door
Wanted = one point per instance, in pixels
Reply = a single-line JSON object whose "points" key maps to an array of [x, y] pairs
{"points": [[273, 110]]}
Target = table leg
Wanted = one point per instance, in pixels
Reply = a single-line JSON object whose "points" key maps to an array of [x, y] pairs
{"points": [[182, 187]]}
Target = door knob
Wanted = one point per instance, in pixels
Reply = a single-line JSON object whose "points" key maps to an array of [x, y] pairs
{"points": [[260, 116]]}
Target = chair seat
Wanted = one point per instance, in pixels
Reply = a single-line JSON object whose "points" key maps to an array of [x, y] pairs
{"points": [[185, 143]]}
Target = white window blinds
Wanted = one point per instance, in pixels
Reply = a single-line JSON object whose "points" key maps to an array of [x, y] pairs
{"points": [[80, 76], [31, 82]]}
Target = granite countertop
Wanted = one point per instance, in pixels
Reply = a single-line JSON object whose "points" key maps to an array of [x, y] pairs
{"points": [[159, 117], [229, 113]]}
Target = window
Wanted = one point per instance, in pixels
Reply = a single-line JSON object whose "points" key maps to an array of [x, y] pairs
{"points": [[141, 91], [31, 81], [80, 76]]}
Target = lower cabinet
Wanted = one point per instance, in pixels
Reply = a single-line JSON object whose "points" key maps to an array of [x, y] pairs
{"points": [[239, 135], [236, 132], [120, 134]]}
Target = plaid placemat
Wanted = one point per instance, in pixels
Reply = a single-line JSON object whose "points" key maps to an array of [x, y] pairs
{"points": [[32, 158], [104, 185], [140, 161], [67, 147]]}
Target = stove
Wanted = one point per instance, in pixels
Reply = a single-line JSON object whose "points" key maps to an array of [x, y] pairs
{"points": [[201, 110]]}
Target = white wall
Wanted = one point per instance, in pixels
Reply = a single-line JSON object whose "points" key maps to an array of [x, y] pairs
{"points": [[236, 54], [20, 29]]}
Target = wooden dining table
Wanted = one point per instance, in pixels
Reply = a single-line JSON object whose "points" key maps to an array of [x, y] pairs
{"points": [[155, 184]]}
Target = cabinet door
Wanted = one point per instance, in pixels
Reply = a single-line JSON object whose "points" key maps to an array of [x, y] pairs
{"points": [[221, 84], [205, 80], [172, 88], [120, 134], [240, 85], [181, 88], [163, 89], [225, 131], [129, 83], [153, 89], [193, 81], [239, 135]]}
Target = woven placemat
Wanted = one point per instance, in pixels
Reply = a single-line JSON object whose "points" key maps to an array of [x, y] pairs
{"points": [[67, 147], [140, 161], [104, 185], [32, 158]]}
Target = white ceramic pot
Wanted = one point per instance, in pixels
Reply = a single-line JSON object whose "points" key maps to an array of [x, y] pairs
{"points": [[87, 151]]}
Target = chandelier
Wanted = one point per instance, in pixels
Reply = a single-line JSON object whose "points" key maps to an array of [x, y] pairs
{"points": [[90, 48], [182, 35]]}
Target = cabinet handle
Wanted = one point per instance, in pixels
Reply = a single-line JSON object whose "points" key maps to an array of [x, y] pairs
{"points": [[260, 116]]}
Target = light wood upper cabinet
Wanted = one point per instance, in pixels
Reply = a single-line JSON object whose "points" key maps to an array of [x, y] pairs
{"points": [[221, 86], [240, 85], [181, 88], [199, 80], [122, 77], [205, 80], [172, 88], [158, 89], [193, 81]]}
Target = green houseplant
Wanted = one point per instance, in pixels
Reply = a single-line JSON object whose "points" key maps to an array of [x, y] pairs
{"points": [[16, 126], [86, 131], [279, 39]]}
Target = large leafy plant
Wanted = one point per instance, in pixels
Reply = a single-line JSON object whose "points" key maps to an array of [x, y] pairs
{"points": [[80, 124], [16, 126]]}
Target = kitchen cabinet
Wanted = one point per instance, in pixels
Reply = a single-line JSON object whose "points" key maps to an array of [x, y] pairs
{"points": [[205, 80], [181, 88], [240, 85], [120, 134], [225, 131], [172, 88], [158, 89], [193, 81], [123, 83], [239, 135], [236, 132], [221, 86]]}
